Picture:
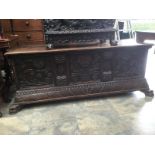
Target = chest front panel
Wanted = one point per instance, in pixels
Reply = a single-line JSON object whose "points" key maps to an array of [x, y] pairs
{"points": [[71, 68]]}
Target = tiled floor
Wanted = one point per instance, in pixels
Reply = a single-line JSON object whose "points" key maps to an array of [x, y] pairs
{"points": [[121, 114]]}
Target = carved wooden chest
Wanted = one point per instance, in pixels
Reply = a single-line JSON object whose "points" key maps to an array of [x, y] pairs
{"points": [[78, 32], [65, 73]]}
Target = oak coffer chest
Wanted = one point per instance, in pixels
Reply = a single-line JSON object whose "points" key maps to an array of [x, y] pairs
{"points": [[65, 73]]}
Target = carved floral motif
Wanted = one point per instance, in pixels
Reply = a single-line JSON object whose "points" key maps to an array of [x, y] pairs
{"points": [[77, 24], [78, 32]]}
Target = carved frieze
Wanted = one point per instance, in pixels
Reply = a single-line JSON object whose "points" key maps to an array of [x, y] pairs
{"points": [[55, 93], [77, 24]]}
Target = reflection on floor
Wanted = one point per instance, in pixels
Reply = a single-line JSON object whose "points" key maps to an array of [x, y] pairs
{"points": [[122, 114]]}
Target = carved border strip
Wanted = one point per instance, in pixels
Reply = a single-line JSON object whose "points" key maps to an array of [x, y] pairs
{"points": [[81, 89]]}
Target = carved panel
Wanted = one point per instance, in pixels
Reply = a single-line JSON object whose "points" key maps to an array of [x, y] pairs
{"points": [[91, 66], [60, 68], [106, 66], [32, 71], [72, 68], [65, 40], [129, 63], [84, 67]]}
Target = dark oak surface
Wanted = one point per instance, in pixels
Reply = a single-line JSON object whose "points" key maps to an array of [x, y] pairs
{"points": [[42, 49]]}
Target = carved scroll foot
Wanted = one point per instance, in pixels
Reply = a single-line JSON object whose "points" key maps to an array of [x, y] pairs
{"points": [[6, 98], [14, 108], [0, 114], [148, 93], [6, 95]]}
